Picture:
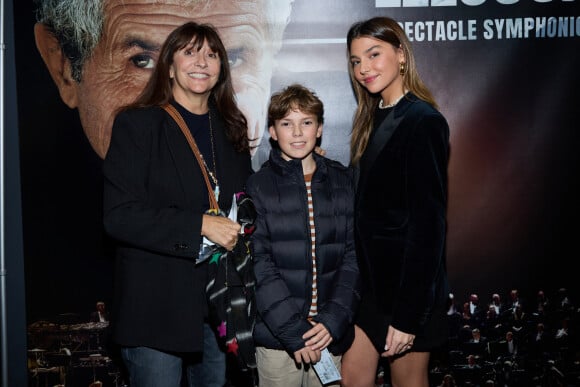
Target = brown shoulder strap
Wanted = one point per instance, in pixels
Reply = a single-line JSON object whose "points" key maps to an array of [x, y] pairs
{"points": [[185, 130]]}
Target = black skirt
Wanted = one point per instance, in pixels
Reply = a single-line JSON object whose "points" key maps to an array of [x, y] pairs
{"points": [[375, 323]]}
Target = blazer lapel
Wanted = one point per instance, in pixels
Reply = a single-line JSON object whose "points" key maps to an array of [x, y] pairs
{"points": [[186, 164], [376, 143]]}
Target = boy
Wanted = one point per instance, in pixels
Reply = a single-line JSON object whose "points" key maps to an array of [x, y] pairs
{"points": [[307, 278]]}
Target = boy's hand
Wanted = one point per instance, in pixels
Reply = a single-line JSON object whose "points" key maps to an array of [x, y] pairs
{"points": [[307, 355], [318, 337]]}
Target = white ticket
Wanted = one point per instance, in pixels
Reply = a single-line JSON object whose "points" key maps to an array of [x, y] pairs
{"points": [[325, 368]]}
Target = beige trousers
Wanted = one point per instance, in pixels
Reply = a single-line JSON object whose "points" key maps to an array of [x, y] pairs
{"points": [[277, 369]]}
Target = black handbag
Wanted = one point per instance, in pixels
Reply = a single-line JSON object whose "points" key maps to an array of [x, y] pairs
{"points": [[231, 291]]}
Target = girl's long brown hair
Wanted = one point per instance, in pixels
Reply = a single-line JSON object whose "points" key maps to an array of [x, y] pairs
{"points": [[387, 30]]}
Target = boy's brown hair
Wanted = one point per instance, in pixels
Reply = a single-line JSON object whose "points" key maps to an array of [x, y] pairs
{"points": [[294, 97]]}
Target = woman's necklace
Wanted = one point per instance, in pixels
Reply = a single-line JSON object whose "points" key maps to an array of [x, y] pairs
{"points": [[212, 174], [381, 106]]}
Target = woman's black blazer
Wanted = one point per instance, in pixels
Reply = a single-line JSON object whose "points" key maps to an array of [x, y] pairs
{"points": [[154, 199]]}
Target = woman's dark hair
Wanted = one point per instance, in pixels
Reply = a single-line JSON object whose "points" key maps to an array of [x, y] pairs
{"points": [[158, 90]]}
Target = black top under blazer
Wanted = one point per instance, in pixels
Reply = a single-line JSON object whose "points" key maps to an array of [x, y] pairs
{"points": [[282, 253], [154, 199], [401, 205]]}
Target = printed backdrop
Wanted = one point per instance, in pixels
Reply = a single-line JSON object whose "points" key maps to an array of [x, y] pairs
{"points": [[505, 74]]}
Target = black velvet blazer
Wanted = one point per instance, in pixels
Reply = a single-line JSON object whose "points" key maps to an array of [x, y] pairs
{"points": [[400, 225], [154, 199]]}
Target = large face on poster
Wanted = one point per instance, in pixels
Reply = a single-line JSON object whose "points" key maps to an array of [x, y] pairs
{"points": [[109, 48], [504, 74]]}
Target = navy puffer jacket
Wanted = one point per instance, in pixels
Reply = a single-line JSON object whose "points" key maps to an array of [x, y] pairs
{"points": [[282, 253]]}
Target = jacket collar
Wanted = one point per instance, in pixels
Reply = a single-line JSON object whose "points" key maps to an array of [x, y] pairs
{"points": [[293, 167]]}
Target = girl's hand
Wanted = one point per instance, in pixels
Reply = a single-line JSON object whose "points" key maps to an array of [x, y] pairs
{"points": [[397, 342]]}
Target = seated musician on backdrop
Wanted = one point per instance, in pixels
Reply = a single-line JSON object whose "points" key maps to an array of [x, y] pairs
{"points": [[101, 314]]}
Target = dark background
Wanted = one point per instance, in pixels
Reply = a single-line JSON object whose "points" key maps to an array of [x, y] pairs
{"points": [[514, 179], [68, 263]]}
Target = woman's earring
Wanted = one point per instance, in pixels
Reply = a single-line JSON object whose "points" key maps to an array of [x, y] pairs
{"points": [[402, 69]]}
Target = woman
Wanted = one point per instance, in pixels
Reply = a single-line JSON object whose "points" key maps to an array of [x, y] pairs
{"points": [[155, 204], [400, 209]]}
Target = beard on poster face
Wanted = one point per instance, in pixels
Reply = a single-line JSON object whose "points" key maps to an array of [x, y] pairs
{"points": [[133, 32]]}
